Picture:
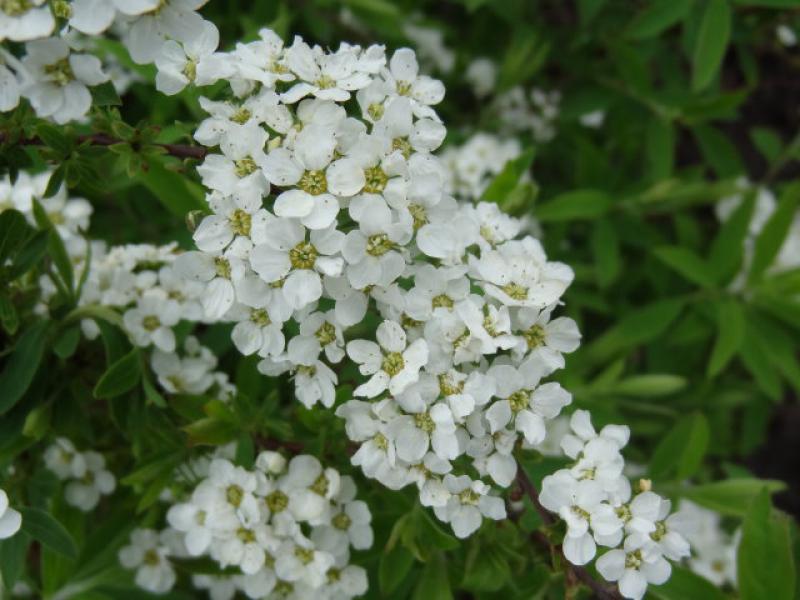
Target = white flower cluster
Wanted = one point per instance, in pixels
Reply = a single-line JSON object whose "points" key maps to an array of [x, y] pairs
{"points": [[596, 501], [535, 111], [85, 473], [55, 74], [714, 548], [472, 165], [287, 529], [10, 519], [69, 215]]}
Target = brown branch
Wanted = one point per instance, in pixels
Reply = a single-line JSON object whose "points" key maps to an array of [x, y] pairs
{"points": [[574, 572], [182, 151]]}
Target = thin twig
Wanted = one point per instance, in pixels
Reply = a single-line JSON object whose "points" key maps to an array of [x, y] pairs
{"points": [[574, 572]]}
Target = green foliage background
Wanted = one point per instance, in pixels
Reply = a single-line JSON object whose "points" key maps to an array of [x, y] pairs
{"points": [[697, 94]]}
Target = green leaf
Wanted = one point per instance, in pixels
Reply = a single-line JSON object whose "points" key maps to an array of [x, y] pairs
{"points": [[13, 552], [685, 585], [487, 570], [55, 247], [681, 451], [727, 249], [768, 142], [152, 395], [22, 365], [711, 43], [45, 529], [394, 567], [67, 342], [637, 327], [660, 148], [649, 385], [29, 255], [729, 497], [120, 377], [772, 236], [434, 584], [174, 191], [730, 334], [765, 563], [575, 205], [756, 358], [605, 246], [658, 16], [525, 54], [13, 231], [105, 95], [56, 181], [720, 153], [53, 137], [211, 431], [769, 3], [508, 179], [687, 264]]}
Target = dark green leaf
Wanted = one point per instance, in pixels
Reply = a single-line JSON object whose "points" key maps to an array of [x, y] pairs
{"points": [[681, 451], [658, 16], [771, 238], [434, 584], [174, 191], [105, 95], [687, 264], [13, 231], [730, 333], [712, 42], [13, 552], [120, 377], [48, 531], [683, 584], [394, 567], [765, 563], [605, 244], [22, 365], [731, 496], [579, 204]]}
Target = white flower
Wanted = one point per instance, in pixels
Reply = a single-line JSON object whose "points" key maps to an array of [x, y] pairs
{"points": [[152, 319], [634, 568], [259, 330], [149, 556], [403, 75], [59, 79], [481, 74], [545, 338], [9, 89], [372, 251], [524, 403], [91, 16], [97, 481], [64, 460], [392, 363], [327, 76], [298, 560], [23, 21], [220, 272], [154, 21], [193, 62], [468, 504], [285, 255], [10, 519]]}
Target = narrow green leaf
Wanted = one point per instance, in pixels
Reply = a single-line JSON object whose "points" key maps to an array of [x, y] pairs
{"points": [[727, 249], [152, 395], [22, 365], [765, 563], [13, 231], [173, 190], [578, 204], [605, 245], [772, 236], [394, 567], [54, 137], [730, 333], [637, 327], [649, 385], [729, 497], [660, 148], [29, 255], [768, 142], [508, 179], [658, 16], [687, 264], [48, 531], [756, 358], [434, 584], [681, 451], [720, 153], [712, 42], [105, 95], [120, 377], [13, 552]]}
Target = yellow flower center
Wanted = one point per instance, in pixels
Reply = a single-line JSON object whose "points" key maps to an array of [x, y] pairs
{"points": [[303, 256], [393, 363], [376, 180]]}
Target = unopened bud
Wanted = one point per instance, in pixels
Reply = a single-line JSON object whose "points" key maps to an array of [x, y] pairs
{"points": [[645, 485], [193, 219]]}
